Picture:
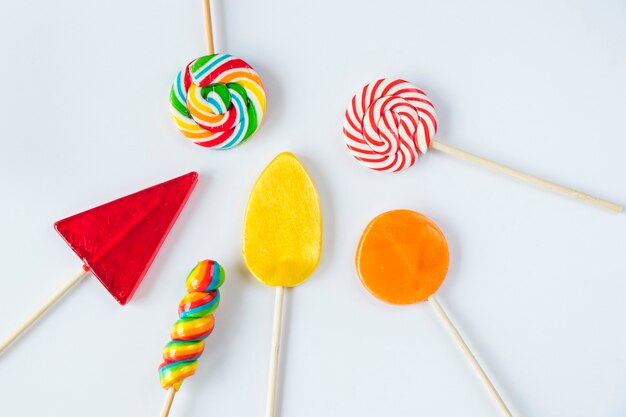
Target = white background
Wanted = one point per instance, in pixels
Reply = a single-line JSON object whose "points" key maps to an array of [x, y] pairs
{"points": [[537, 280]]}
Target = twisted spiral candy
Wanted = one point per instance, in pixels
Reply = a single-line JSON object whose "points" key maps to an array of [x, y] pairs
{"points": [[217, 101], [180, 356], [388, 124]]}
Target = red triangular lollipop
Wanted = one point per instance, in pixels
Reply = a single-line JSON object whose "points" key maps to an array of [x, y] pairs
{"points": [[117, 241]]}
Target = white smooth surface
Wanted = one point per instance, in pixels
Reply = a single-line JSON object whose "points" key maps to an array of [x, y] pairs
{"points": [[537, 281]]}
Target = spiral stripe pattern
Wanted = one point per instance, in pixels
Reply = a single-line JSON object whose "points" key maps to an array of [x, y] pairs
{"points": [[388, 124], [196, 322], [217, 101]]}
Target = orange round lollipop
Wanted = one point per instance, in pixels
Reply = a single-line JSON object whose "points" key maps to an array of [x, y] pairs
{"points": [[402, 257]]}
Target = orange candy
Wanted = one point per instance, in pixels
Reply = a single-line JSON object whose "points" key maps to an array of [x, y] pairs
{"points": [[402, 257]]}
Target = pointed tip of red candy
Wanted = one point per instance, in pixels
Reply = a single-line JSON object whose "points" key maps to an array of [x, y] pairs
{"points": [[118, 240]]}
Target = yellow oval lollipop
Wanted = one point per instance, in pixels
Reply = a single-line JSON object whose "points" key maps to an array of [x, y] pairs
{"points": [[282, 237]]}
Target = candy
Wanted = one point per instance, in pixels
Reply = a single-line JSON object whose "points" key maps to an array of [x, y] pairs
{"points": [[217, 101], [196, 322], [282, 240], [118, 241], [402, 257], [388, 124]]}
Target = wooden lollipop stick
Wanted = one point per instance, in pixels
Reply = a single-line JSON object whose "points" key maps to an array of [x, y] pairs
{"points": [[208, 27], [469, 355], [169, 399], [44, 308], [274, 354], [525, 177]]}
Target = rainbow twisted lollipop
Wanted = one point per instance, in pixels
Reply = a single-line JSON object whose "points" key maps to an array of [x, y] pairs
{"points": [[196, 322], [217, 101]]}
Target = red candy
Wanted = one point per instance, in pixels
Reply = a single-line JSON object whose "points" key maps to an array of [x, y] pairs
{"points": [[118, 240]]}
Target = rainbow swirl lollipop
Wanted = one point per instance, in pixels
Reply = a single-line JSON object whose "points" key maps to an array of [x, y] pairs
{"points": [[196, 322], [217, 101]]}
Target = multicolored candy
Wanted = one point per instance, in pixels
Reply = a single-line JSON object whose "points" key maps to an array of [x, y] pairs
{"points": [[217, 101], [196, 322]]}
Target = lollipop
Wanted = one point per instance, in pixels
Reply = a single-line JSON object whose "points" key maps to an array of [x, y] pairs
{"points": [[217, 101], [282, 239], [403, 258], [180, 355], [118, 241], [390, 123]]}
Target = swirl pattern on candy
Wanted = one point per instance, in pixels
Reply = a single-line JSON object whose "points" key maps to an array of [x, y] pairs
{"points": [[217, 101], [388, 124], [196, 322]]}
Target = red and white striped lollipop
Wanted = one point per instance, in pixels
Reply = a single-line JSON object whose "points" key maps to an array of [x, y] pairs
{"points": [[390, 122]]}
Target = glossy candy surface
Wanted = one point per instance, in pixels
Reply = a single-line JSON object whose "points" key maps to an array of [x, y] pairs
{"points": [[402, 257], [388, 124], [118, 241], [196, 322], [217, 101], [282, 239]]}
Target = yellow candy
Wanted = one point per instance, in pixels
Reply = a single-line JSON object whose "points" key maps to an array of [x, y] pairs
{"points": [[282, 238]]}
